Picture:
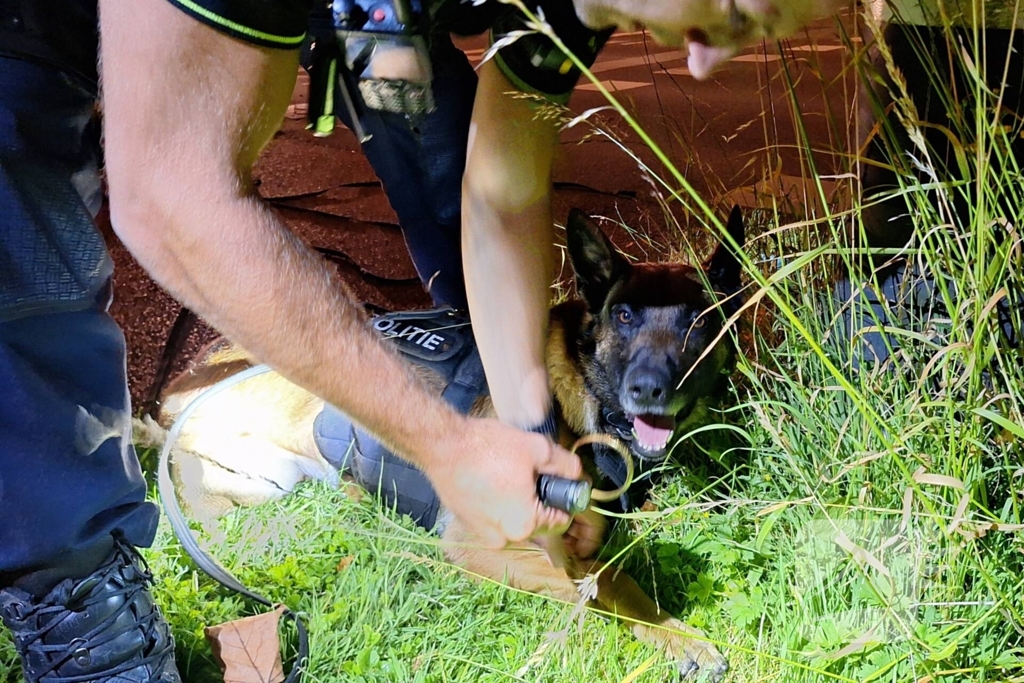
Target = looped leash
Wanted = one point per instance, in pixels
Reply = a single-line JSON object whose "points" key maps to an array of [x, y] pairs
{"points": [[574, 496], [601, 495], [203, 560]]}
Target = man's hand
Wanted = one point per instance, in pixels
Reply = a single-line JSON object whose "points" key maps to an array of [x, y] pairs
{"points": [[489, 480]]}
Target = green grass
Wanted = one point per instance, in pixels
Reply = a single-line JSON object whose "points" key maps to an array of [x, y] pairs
{"points": [[843, 524], [381, 603]]}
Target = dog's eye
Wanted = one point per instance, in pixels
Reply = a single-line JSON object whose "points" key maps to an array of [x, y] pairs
{"points": [[623, 315], [699, 322]]}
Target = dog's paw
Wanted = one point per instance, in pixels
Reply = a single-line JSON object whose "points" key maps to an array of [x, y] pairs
{"points": [[696, 660]]}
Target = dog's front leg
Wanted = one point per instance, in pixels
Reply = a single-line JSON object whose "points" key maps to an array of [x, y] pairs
{"points": [[524, 568], [619, 594]]}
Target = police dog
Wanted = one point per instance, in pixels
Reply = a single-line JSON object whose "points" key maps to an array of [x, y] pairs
{"points": [[640, 355]]}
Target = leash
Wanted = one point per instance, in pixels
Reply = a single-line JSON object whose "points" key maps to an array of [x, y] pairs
{"points": [[574, 496], [203, 560]]}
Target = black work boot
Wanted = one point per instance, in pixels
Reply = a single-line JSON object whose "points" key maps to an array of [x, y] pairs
{"points": [[101, 628]]}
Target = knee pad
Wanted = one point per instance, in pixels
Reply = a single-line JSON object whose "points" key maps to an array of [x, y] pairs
{"points": [[440, 340], [396, 482]]}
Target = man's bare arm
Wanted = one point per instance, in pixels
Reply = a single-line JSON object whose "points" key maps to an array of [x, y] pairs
{"points": [[187, 112], [507, 244]]}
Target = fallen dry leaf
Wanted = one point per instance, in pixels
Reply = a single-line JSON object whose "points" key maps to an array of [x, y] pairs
{"points": [[249, 650], [344, 562]]}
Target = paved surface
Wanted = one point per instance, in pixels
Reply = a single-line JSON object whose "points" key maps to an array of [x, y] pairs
{"points": [[733, 136]]}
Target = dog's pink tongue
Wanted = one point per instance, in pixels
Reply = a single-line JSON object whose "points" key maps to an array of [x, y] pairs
{"points": [[654, 431], [703, 58]]}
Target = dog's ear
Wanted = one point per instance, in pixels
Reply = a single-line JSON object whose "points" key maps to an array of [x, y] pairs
{"points": [[594, 260], [724, 267]]}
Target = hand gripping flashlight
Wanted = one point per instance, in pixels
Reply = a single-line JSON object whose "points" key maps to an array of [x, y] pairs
{"points": [[574, 496]]}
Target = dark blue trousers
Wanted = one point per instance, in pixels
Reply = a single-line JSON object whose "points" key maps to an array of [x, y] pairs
{"points": [[69, 476], [420, 163]]}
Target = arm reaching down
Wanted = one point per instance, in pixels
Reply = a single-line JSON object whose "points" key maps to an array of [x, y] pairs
{"points": [[507, 245], [187, 111]]}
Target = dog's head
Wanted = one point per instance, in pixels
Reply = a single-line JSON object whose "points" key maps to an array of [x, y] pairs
{"points": [[651, 347]]}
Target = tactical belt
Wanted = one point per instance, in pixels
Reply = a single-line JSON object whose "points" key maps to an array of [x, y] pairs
{"points": [[399, 97]]}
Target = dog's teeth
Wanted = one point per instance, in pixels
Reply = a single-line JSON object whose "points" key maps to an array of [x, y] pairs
{"points": [[653, 432], [650, 446]]}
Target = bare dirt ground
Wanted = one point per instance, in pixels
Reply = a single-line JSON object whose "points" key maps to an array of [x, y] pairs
{"points": [[727, 134]]}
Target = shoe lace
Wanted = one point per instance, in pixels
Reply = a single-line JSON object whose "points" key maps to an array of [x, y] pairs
{"points": [[58, 654]]}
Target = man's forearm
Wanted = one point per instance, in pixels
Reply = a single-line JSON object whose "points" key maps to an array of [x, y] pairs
{"points": [[264, 289], [507, 245], [508, 269]]}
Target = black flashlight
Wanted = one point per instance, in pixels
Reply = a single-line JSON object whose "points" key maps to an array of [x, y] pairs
{"points": [[568, 495]]}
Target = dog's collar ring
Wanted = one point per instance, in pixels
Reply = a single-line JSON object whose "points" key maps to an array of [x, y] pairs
{"points": [[627, 457]]}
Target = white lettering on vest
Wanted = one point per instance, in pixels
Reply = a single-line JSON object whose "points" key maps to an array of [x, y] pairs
{"points": [[410, 333], [384, 325], [430, 344], [394, 329]]}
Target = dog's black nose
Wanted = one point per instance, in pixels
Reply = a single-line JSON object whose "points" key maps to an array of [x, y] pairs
{"points": [[648, 388]]}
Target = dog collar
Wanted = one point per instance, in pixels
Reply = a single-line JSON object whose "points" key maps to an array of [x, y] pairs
{"points": [[617, 421]]}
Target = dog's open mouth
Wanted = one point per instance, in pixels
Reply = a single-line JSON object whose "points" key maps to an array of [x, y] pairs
{"points": [[651, 434]]}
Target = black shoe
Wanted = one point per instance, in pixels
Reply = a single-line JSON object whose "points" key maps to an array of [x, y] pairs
{"points": [[100, 629], [908, 298]]}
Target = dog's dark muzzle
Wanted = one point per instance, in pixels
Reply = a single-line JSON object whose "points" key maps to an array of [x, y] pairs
{"points": [[652, 404], [647, 389]]}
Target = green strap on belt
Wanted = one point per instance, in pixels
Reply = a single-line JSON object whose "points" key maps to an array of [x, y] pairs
{"points": [[326, 120]]}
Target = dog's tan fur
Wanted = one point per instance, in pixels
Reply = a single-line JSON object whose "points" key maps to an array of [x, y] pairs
{"points": [[244, 446]]}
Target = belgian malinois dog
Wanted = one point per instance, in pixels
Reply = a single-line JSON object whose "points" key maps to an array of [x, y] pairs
{"points": [[640, 356]]}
